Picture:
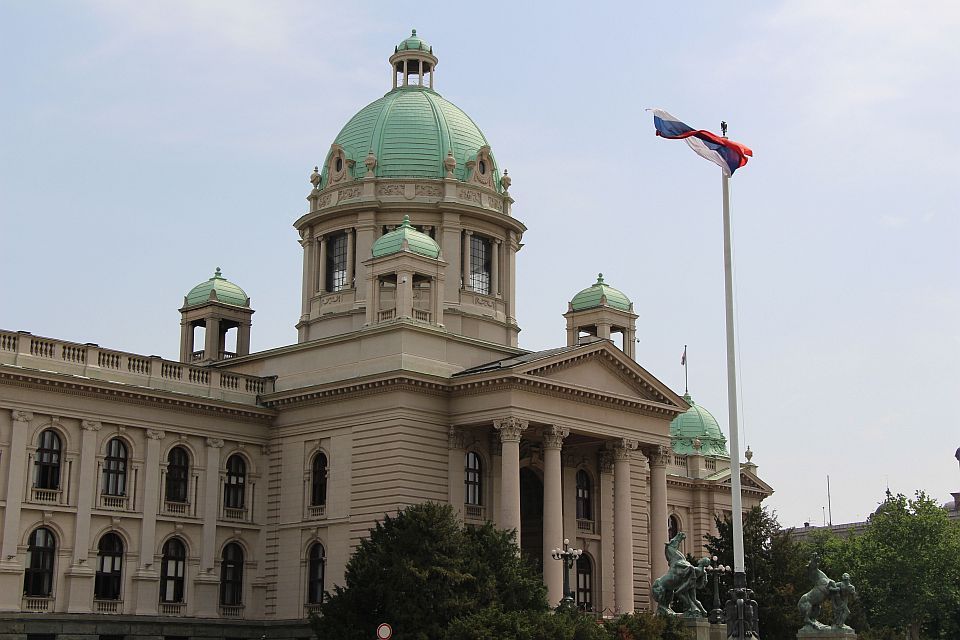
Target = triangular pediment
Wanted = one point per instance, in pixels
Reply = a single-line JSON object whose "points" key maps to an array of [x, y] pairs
{"points": [[748, 480]]}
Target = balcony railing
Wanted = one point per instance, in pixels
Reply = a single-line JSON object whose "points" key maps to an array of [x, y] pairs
{"points": [[107, 606], [34, 604], [176, 508], [586, 526], [230, 513], [389, 314], [311, 609], [317, 510], [474, 511], [172, 608], [231, 611], [421, 315], [45, 496], [117, 503]]}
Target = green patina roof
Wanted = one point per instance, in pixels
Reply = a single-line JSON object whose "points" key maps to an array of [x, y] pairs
{"points": [[697, 422], [410, 130], [413, 42], [226, 292], [419, 243], [591, 297]]}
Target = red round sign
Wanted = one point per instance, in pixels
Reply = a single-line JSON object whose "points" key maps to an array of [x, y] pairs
{"points": [[384, 631]]}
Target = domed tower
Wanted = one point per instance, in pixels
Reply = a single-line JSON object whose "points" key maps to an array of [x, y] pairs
{"points": [[218, 305], [601, 310], [696, 434], [410, 153]]}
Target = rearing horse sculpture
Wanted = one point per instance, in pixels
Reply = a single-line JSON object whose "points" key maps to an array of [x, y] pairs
{"points": [[682, 580]]}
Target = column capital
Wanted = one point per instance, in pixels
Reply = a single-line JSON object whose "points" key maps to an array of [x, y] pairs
{"points": [[91, 425], [510, 428], [659, 456], [455, 438], [468, 232], [623, 448], [215, 443], [553, 437], [156, 434], [21, 416]]}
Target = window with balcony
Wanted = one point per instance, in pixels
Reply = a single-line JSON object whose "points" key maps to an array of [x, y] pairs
{"points": [[234, 488], [109, 575], [318, 484], [178, 475], [480, 264], [115, 469], [172, 570], [316, 561], [231, 575], [46, 465], [38, 575]]}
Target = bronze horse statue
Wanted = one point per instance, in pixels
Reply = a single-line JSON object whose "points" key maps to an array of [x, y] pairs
{"points": [[681, 580]]}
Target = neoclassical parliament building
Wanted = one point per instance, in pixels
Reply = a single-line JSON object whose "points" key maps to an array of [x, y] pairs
{"points": [[220, 495]]}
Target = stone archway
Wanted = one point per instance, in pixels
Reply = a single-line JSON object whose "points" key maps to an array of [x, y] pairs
{"points": [[531, 516]]}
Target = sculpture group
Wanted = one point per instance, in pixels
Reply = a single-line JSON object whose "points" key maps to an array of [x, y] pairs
{"points": [[681, 581], [840, 593]]}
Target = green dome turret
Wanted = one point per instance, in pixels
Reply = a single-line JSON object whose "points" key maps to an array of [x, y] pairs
{"points": [[413, 43], [599, 294], [405, 237], [693, 424], [217, 289]]}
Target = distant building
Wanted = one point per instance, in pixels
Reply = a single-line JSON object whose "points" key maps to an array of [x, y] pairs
{"points": [[222, 494]]}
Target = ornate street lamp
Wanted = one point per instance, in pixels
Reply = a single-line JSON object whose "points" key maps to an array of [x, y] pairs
{"points": [[569, 556], [717, 571]]}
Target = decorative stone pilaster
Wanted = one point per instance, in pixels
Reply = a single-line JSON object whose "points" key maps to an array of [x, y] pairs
{"points": [[510, 430], [552, 511], [80, 574], [147, 576], [11, 569], [456, 453], [623, 525], [207, 581], [659, 458]]}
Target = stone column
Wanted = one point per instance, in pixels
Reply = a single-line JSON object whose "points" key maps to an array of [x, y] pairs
{"points": [[466, 259], [307, 291], [186, 341], [321, 270], [552, 512], [495, 268], [147, 575], [510, 430], [511, 277], [456, 454], [604, 519], [11, 566], [80, 574], [211, 339], [659, 458], [404, 295], [349, 282], [623, 526]]}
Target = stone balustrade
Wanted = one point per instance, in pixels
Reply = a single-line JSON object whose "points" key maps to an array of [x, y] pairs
{"points": [[92, 361]]}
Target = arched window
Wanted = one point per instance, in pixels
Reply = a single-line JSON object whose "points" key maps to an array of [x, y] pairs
{"points": [[585, 583], [172, 570], [233, 489], [109, 568], [115, 469], [318, 480], [317, 562], [47, 463], [178, 475], [231, 575], [38, 576], [673, 527], [584, 496], [473, 479]]}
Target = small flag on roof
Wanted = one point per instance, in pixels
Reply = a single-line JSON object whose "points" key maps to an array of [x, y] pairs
{"points": [[727, 154]]}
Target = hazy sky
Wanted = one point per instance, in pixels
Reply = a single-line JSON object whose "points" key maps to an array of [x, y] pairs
{"points": [[143, 144]]}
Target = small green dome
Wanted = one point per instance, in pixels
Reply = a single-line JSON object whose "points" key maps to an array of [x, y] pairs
{"points": [[696, 422], [593, 296], [224, 291], [414, 43], [419, 243]]}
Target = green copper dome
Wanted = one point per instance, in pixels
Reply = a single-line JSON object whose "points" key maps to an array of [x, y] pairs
{"points": [[592, 296], [225, 291], [697, 422], [419, 243], [414, 43]]}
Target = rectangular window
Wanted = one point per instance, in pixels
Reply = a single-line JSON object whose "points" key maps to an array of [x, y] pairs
{"points": [[480, 264], [337, 263]]}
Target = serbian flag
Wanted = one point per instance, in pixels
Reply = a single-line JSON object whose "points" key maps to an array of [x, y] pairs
{"points": [[729, 155]]}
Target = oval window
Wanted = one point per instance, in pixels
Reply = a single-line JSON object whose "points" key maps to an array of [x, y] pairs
{"points": [[482, 166], [338, 165]]}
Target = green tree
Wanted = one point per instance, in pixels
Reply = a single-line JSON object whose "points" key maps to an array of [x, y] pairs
{"points": [[421, 569], [775, 565]]}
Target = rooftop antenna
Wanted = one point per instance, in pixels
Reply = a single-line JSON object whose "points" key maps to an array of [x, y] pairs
{"points": [[829, 504], [683, 361], [824, 509]]}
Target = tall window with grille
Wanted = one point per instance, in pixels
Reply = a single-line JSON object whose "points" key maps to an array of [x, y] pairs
{"points": [[178, 475], [336, 266], [480, 264], [316, 561], [172, 570], [585, 583], [46, 465], [109, 575], [115, 468], [318, 480], [231, 575], [38, 574], [473, 479], [235, 485], [584, 496]]}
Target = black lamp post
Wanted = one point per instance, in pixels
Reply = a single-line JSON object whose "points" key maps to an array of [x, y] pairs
{"points": [[717, 571], [569, 556]]}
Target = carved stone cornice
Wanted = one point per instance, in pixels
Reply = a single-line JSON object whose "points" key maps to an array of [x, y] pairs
{"points": [[91, 425], [623, 448], [510, 428], [156, 434], [215, 443], [21, 416], [553, 437], [659, 456], [455, 438]]}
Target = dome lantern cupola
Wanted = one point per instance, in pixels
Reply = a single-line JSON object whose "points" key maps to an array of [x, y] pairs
{"points": [[412, 57], [600, 311], [218, 306]]}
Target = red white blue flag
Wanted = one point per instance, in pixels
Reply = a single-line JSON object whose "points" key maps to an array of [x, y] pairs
{"points": [[727, 154]]}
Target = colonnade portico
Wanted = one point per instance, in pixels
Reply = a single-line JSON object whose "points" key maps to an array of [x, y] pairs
{"points": [[621, 452]]}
